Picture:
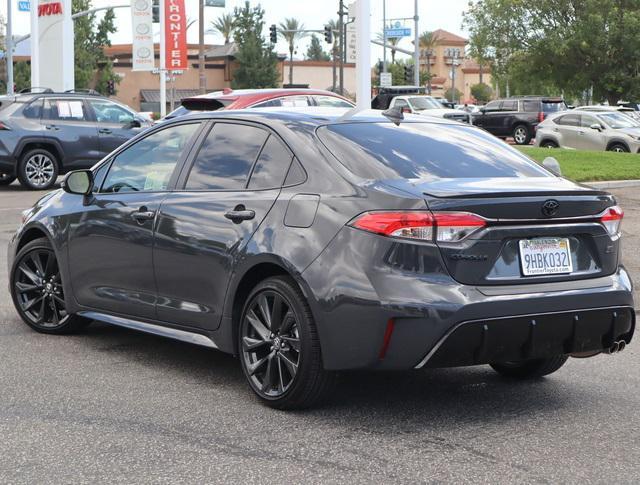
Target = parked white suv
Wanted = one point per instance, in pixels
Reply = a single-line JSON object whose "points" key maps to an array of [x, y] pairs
{"points": [[427, 105]]}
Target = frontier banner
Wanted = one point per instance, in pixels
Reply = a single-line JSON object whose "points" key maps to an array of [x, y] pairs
{"points": [[142, 18], [175, 35]]}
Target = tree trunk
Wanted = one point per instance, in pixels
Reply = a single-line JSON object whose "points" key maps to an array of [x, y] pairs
{"points": [[428, 74], [291, 64], [613, 99], [393, 56], [480, 72], [333, 51]]}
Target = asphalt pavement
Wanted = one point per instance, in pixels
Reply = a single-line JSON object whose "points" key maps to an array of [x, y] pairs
{"points": [[116, 406]]}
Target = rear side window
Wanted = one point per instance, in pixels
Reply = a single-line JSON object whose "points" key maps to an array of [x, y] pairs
{"points": [[332, 102], [34, 110], [64, 110], [568, 120], [510, 106], [268, 104], [226, 157], [531, 106], [272, 165], [424, 151]]}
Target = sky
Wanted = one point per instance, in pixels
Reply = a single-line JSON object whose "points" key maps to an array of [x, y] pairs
{"points": [[434, 14]]}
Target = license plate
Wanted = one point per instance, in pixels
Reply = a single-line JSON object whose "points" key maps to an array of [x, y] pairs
{"points": [[545, 256]]}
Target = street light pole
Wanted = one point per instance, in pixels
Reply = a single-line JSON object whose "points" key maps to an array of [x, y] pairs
{"points": [[384, 35], [363, 50], [416, 51], [342, 42], [163, 67], [201, 74], [9, 53]]}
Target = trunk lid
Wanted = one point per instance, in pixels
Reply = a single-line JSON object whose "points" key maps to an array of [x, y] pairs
{"points": [[520, 209]]}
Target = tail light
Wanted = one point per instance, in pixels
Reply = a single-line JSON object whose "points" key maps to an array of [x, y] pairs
{"points": [[612, 220], [540, 116], [4, 126], [420, 225]]}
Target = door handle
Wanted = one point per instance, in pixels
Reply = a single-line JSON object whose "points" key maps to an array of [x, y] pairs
{"points": [[105, 131], [143, 215], [51, 127], [239, 214]]}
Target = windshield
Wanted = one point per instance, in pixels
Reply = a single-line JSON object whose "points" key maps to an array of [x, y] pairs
{"points": [[424, 151], [423, 102], [618, 120]]}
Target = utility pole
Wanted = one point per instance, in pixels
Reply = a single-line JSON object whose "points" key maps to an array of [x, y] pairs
{"points": [[416, 50], [201, 74], [384, 35], [363, 50], [341, 29], [163, 67], [35, 45], [9, 53]]}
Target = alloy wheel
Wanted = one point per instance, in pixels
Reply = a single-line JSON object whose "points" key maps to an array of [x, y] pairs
{"points": [[520, 135], [270, 344], [38, 289], [39, 170]]}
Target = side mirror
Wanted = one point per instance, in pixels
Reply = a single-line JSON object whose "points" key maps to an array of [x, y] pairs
{"points": [[482, 109], [596, 126], [79, 182], [552, 165], [134, 123]]}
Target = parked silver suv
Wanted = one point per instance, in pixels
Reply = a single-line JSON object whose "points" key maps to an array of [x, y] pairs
{"points": [[590, 130]]}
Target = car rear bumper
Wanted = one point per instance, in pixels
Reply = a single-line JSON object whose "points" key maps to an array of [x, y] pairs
{"points": [[378, 307], [535, 336]]}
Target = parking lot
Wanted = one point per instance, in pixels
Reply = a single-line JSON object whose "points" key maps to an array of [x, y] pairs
{"points": [[112, 405]]}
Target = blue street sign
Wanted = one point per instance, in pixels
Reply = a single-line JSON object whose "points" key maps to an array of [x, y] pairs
{"points": [[398, 33], [24, 6]]}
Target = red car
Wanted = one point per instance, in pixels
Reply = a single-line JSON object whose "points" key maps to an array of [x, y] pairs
{"points": [[259, 98]]}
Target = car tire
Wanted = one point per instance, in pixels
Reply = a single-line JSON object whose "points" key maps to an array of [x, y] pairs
{"points": [[279, 347], [618, 147], [37, 290], [548, 144], [521, 135], [530, 369], [6, 179], [38, 169]]}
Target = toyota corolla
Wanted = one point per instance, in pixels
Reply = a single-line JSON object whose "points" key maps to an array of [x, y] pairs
{"points": [[306, 242]]}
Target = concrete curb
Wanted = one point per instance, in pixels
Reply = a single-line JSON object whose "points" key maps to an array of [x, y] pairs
{"points": [[614, 184]]}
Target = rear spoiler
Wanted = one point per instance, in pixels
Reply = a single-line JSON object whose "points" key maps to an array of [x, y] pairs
{"points": [[202, 104]]}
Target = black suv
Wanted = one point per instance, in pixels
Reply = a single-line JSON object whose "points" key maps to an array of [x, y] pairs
{"points": [[517, 117], [43, 135]]}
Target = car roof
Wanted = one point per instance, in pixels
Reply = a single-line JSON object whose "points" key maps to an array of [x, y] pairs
{"points": [[232, 94], [604, 108], [310, 116]]}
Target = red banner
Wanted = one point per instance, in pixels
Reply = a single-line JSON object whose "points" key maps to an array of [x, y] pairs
{"points": [[175, 35]]}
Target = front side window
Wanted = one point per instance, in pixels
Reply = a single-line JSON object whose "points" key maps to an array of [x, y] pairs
{"points": [[400, 103], [424, 151], [148, 164], [268, 104], [420, 103], [294, 101], [108, 112], [226, 157], [33, 110], [493, 106], [586, 121], [64, 110]]}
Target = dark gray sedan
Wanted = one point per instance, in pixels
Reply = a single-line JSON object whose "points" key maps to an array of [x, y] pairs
{"points": [[307, 242]]}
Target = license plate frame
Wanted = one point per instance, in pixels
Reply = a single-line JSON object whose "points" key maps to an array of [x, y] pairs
{"points": [[545, 256]]}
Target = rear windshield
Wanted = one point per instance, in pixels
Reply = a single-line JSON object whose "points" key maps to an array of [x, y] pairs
{"points": [[424, 150], [553, 106]]}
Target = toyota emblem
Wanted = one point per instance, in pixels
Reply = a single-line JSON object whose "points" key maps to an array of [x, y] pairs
{"points": [[550, 208]]}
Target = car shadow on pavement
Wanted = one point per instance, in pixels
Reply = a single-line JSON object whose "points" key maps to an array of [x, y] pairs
{"points": [[424, 398]]}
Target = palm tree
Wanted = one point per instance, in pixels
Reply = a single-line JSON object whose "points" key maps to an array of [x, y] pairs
{"points": [[428, 41], [291, 33], [394, 41], [224, 25]]}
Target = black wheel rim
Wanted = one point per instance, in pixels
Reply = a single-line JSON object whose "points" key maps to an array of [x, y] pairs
{"points": [[270, 344], [38, 289]]}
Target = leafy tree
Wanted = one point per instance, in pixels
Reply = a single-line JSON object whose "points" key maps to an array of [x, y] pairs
{"points": [[315, 52], [428, 42], [453, 95], [92, 67], [224, 26], [257, 63], [481, 92], [567, 45], [292, 36], [22, 75]]}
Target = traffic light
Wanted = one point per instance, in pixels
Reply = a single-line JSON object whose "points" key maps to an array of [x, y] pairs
{"points": [[273, 34], [328, 34], [408, 73], [155, 11], [380, 67], [111, 87]]}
